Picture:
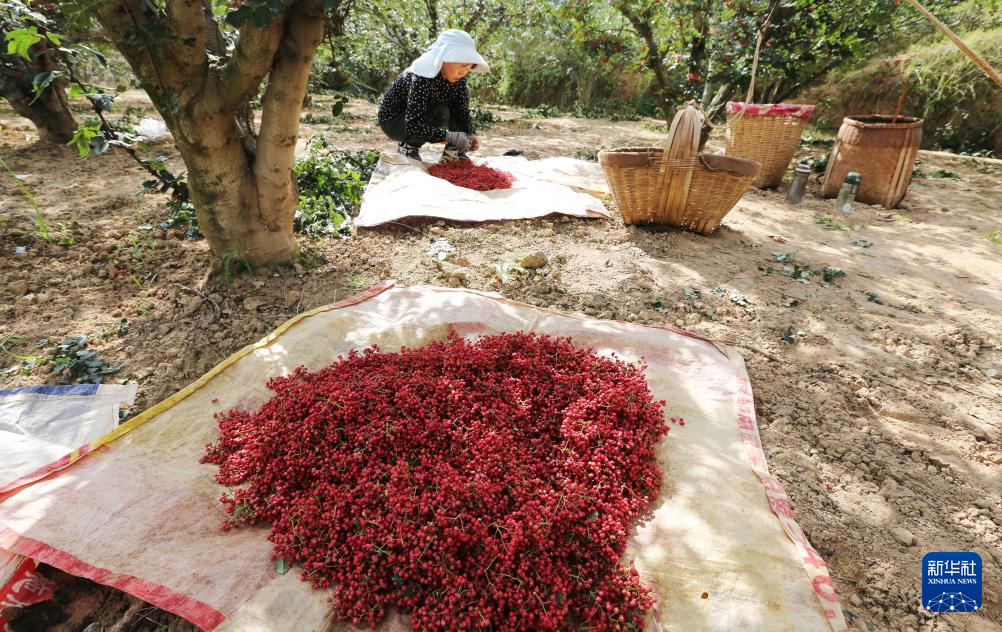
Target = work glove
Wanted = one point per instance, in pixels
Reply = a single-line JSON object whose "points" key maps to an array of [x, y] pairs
{"points": [[459, 140]]}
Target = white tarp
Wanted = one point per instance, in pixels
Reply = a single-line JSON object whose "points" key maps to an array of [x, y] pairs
{"points": [[42, 425], [402, 188]]}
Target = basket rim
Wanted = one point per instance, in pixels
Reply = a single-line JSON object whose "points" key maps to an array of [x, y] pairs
{"points": [[630, 150], [882, 121]]}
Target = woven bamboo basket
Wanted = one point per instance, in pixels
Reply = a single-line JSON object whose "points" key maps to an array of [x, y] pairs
{"points": [[637, 177], [882, 149], [767, 134]]}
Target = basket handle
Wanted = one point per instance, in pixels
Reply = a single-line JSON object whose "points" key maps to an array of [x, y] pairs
{"points": [[666, 154], [673, 194]]}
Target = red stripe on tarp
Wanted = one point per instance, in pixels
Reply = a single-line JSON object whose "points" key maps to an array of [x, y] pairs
{"points": [[45, 470], [201, 614]]}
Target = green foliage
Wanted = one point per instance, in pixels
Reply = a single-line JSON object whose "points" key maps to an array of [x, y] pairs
{"points": [[612, 109], [483, 118], [543, 111], [64, 237], [830, 223], [957, 101], [330, 184], [230, 261], [89, 139], [257, 13], [71, 360], [181, 214], [20, 40], [80, 365], [994, 237], [23, 27], [313, 119], [337, 106]]}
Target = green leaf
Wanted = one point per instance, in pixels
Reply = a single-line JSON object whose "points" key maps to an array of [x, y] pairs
{"points": [[44, 79], [830, 274], [83, 136], [830, 223], [943, 173], [112, 368], [20, 40], [101, 102], [873, 298], [101, 59]]}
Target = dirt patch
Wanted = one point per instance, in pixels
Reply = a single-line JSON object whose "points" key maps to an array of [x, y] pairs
{"points": [[879, 392]]}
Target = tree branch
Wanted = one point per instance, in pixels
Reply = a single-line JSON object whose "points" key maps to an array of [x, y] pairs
{"points": [[186, 24], [281, 106], [215, 43], [646, 33], [401, 38], [475, 17], [252, 59], [133, 25], [432, 7]]}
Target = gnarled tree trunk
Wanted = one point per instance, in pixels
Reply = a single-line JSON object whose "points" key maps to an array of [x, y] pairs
{"points": [[641, 23], [50, 111], [242, 186]]}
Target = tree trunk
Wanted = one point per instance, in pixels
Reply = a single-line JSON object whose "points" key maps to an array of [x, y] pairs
{"points": [[50, 111], [641, 24], [243, 189]]}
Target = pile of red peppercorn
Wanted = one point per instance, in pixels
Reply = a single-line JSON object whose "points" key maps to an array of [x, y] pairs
{"points": [[486, 484], [463, 173]]}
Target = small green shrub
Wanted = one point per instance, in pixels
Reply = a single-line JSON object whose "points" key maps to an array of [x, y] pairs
{"points": [[313, 119], [543, 111], [330, 184], [178, 214], [483, 118]]}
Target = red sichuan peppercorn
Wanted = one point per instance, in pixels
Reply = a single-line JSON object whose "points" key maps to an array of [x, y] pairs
{"points": [[487, 484], [464, 173]]}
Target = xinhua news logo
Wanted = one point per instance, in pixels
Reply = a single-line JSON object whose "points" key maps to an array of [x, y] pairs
{"points": [[951, 582]]}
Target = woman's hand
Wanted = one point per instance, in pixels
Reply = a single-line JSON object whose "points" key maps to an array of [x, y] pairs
{"points": [[474, 143], [459, 140]]}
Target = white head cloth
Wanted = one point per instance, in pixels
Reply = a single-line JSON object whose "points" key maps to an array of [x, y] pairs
{"points": [[451, 46]]}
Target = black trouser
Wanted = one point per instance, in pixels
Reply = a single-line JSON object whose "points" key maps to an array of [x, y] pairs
{"points": [[439, 116]]}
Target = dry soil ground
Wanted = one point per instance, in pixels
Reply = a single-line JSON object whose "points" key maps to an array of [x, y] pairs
{"points": [[879, 392]]}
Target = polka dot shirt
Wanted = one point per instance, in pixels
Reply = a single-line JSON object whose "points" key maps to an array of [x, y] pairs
{"points": [[416, 97]]}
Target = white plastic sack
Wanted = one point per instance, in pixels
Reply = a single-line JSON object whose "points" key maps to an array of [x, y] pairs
{"points": [[403, 188], [42, 426], [152, 129]]}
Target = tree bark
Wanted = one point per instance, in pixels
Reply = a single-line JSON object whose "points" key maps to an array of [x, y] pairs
{"points": [[243, 191], [50, 111], [697, 52], [432, 7], [646, 32]]}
